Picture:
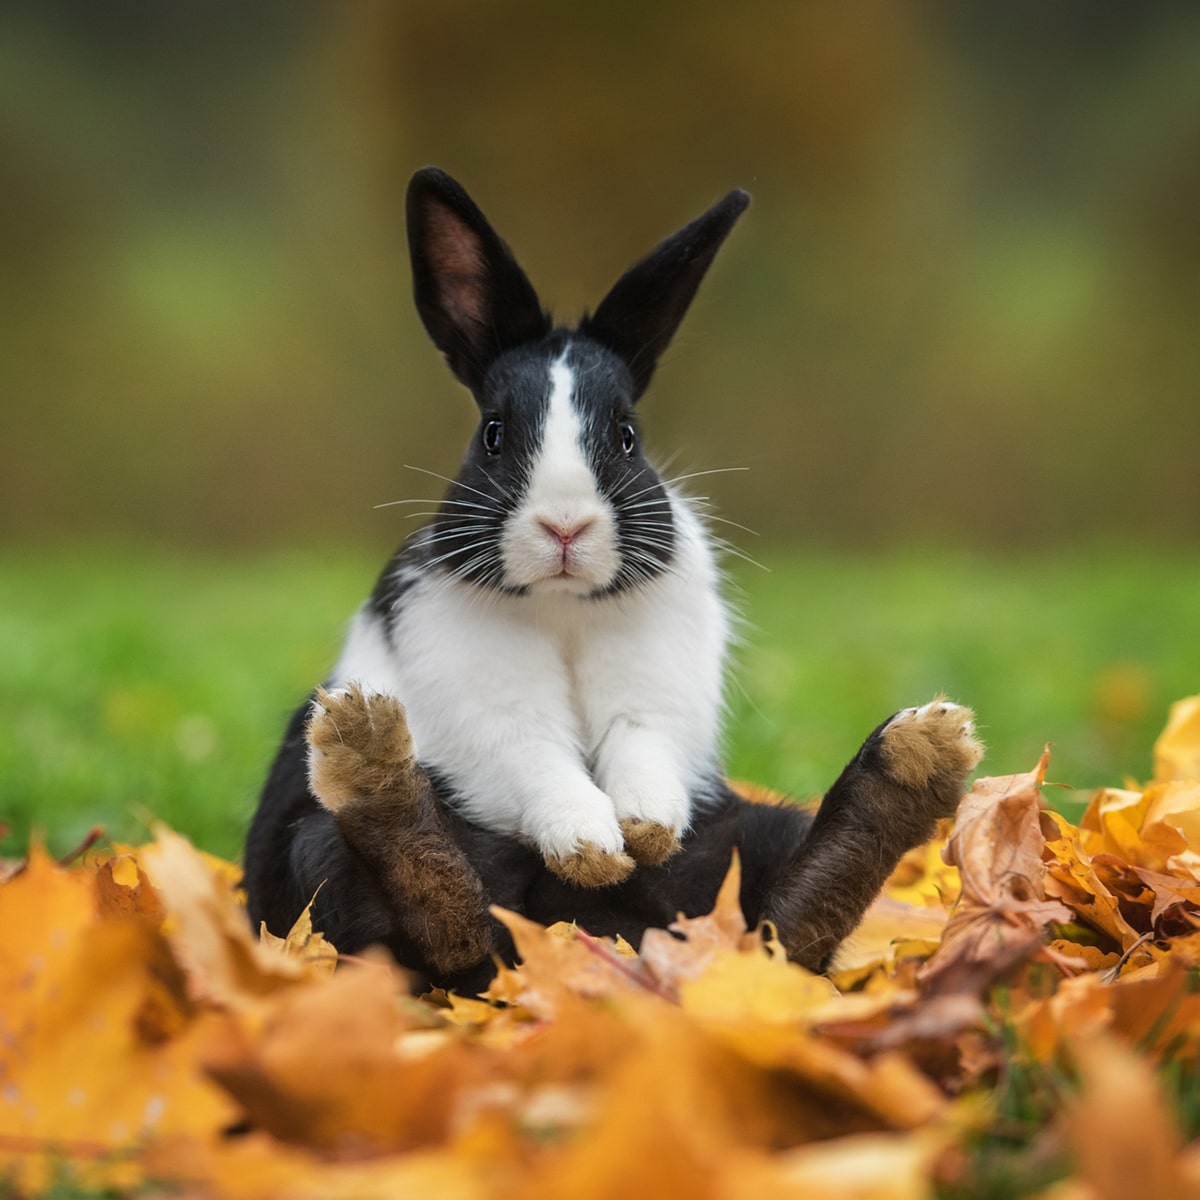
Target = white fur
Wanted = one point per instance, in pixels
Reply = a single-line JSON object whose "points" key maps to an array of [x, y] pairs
{"points": [[554, 715], [561, 495]]}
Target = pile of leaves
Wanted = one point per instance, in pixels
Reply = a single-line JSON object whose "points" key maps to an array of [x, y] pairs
{"points": [[1019, 1015]]}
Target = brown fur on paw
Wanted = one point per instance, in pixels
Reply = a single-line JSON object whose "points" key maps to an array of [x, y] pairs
{"points": [[591, 867], [359, 748], [648, 842], [930, 745]]}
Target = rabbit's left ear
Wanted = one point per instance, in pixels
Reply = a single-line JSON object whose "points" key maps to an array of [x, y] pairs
{"points": [[473, 297], [639, 316]]}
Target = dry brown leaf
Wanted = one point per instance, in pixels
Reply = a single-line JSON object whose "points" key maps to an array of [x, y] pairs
{"points": [[557, 968], [143, 1020], [1080, 1008], [1157, 1006], [997, 846], [1169, 891]]}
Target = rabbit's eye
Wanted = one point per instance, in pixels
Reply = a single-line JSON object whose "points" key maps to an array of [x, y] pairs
{"points": [[493, 436], [628, 437]]}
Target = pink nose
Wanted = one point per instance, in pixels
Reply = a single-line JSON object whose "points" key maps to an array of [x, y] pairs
{"points": [[564, 535]]}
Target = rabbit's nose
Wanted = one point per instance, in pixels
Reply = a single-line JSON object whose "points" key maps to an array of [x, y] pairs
{"points": [[566, 534]]}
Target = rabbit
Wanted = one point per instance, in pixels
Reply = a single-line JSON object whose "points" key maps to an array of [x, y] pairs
{"points": [[556, 634], [527, 708]]}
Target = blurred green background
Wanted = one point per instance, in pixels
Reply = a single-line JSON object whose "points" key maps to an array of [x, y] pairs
{"points": [[954, 342]]}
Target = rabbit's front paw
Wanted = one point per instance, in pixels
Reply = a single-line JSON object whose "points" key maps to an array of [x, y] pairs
{"points": [[931, 749], [359, 749], [590, 867], [651, 817], [648, 842], [587, 849]]}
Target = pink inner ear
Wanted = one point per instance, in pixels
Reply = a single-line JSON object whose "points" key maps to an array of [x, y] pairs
{"points": [[454, 257]]}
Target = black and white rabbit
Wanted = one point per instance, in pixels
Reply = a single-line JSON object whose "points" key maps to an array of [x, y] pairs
{"points": [[556, 633], [528, 704]]}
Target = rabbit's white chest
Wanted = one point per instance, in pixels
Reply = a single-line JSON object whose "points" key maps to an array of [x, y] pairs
{"points": [[536, 711]]}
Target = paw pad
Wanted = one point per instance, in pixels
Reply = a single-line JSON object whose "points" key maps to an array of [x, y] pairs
{"points": [[935, 742]]}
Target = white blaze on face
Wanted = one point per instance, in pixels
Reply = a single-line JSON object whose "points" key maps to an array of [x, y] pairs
{"points": [[563, 534]]}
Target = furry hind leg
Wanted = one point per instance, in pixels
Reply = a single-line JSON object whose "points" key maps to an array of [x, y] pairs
{"points": [[363, 770], [910, 772]]}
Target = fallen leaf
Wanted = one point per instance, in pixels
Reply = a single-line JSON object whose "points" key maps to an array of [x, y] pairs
{"points": [[862, 1166], [755, 989], [997, 846], [226, 965], [685, 950], [97, 1039], [1125, 1139], [303, 944], [1157, 828], [1177, 750], [350, 1066], [1072, 877]]}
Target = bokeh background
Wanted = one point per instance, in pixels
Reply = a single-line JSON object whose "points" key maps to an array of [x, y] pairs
{"points": [[962, 315], [966, 302]]}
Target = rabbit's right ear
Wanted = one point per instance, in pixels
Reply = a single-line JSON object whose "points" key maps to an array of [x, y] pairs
{"points": [[473, 298]]}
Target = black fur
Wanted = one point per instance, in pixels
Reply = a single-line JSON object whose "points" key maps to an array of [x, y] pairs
{"points": [[295, 852], [639, 316], [812, 874]]}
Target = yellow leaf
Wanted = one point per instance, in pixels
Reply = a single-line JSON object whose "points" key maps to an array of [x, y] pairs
{"points": [[1157, 828], [123, 887], [755, 989], [208, 929], [1175, 807], [99, 1049], [557, 966], [257, 1167], [891, 928], [671, 959], [303, 944], [924, 877], [1072, 878], [1177, 751], [1112, 823]]}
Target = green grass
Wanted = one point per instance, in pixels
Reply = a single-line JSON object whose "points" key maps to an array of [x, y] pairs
{"points": [[142, 683]]}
